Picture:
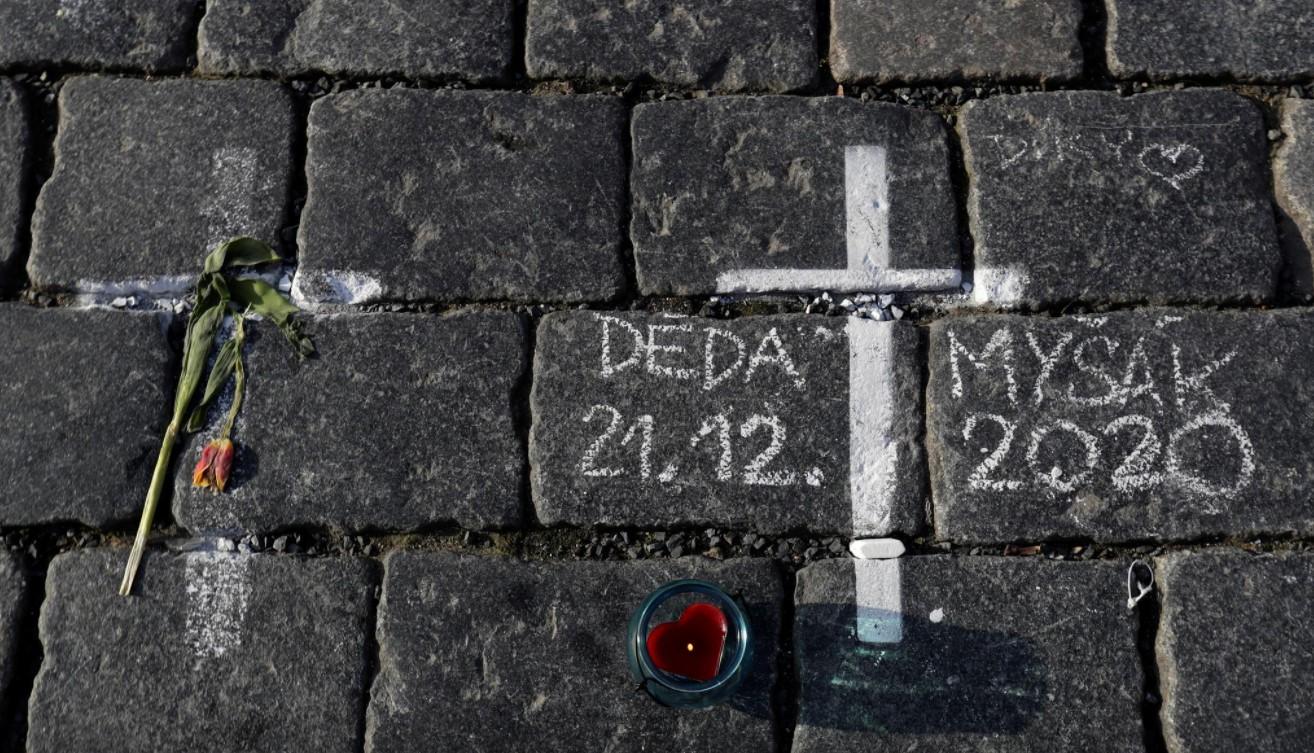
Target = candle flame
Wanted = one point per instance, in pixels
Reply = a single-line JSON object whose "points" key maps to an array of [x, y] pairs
{"points": [[689, 646]]}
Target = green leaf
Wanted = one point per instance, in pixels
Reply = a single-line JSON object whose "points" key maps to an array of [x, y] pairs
{"points": [[242, 251], [202, 325], [224, 364], [262, 298]]}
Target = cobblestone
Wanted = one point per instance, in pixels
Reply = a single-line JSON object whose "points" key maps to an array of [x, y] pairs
{"points": [[1085, 196], [415, 38], [1164, 424], [1233, 649], [977, 653], [14, 161], [1293, 169], [521, 655], [431, 442], [147, 35], [1269, 41], [440, 196], [645, 420], [149, 176], [217, 652], [786, 193], [914, 40], [13, 591], [734, 45], [84, 404]]}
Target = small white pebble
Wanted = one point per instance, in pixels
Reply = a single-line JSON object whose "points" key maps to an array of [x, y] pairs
{"points": [[896, 312], [876, 549], [225, 545], [886, 300], [937, 615], [119, 302]]}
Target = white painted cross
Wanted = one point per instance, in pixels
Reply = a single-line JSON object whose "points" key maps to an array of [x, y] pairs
{"points": [[867, 243]]}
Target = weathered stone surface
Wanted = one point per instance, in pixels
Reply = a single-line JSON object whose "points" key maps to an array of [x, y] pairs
{"points": [[976, 653], [1161, 197], [1162, 39], [791, 193], [489, 654], [733, 45], [13, 590], [149, 35], [215, 652], [1234, 651], [457, 195], [401, 421], [1157, 423], [760, 423], [916, 40], [84, 402], [1293, 169], [149, 176], [415, 38], [14, 156]]}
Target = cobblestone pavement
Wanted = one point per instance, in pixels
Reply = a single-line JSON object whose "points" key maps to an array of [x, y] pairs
{"points": [[608, 294]]}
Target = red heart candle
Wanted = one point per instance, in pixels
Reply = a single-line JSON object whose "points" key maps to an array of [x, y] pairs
{"points": [[692, 645]]}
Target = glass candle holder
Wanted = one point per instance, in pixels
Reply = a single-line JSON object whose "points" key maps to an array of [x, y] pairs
{"points": [[689, 616]]}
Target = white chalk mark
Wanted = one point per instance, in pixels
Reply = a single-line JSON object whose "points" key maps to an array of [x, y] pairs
{"points": [[309, 289], [867, 243], [1166, 162], [873, 448], [588, 463], [878, 596], [1001, 343], [218, 588], [876, 549], [999, 286], [229, 207]]}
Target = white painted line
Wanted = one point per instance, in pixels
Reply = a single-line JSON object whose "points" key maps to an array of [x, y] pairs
{"points": [[867, 243], [873, 451], [876, 549], [218, 589], [867, 208], [878, 595]]}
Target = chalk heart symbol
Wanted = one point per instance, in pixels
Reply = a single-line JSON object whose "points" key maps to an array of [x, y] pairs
{"points": [[692, 645], [1173, 163]]}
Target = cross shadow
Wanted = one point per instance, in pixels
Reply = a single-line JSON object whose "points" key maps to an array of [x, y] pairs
{"points": [[933, 678]]}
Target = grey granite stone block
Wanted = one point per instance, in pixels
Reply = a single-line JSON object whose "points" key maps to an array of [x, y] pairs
{"points": [[401, 421], [85, 399], [214, 652], [422, 39], [489, 654], [1237, 39], [1293, 171], [937, 40], [1009, 655], [1152, 424], [419, 195], [151, 175], [761, 423], [13, 605], [733, 45], [149, 35], [15, 154], [791, 193], [1086, 196], [1234, 651]]}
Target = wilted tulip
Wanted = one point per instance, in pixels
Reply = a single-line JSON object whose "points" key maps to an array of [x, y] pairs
{"points": [[216, 463]]}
